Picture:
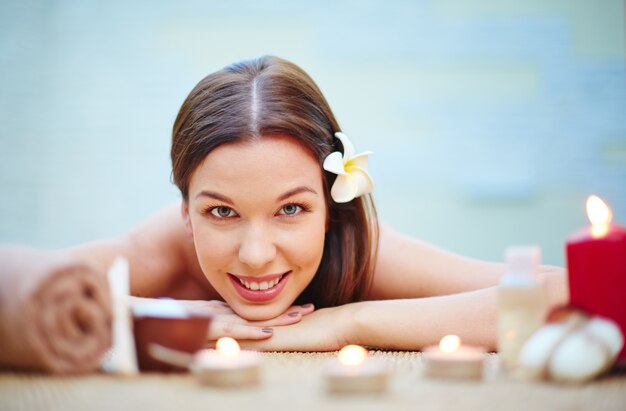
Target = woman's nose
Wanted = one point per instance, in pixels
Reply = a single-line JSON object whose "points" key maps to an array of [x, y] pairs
{"points": [[257, 247]]}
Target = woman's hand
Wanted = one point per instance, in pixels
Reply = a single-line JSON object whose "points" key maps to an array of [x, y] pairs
{"points": [[226, 323], [326, 329]]}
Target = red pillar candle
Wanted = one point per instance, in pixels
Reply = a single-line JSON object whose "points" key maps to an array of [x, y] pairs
{"points": [[596, 263]]}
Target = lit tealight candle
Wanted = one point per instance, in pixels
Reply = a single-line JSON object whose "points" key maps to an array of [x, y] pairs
{"points": [[227, 365], [451, 359], [352, 372]]}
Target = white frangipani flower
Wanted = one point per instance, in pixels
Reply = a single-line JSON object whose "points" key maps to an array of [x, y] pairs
{"points": [[353, 180]]}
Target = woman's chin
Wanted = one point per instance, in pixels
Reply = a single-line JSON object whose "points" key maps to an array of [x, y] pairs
{"points": [[259, 312]]}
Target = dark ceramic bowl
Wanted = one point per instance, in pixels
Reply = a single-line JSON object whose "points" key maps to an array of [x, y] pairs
{"points": [[179, 330]]}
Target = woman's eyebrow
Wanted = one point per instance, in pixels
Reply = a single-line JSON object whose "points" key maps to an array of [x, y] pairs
{"points": [[297, 190], [214, 195]]}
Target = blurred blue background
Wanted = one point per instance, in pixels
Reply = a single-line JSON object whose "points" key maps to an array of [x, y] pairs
{"points": [[491, 121]]}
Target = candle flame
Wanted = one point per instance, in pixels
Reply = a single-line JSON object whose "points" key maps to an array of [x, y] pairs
{"points": [[352, 355], [599, 214], [227, 347], [449, 343]]}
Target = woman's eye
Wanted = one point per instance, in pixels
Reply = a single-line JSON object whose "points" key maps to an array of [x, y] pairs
{"points": [[222, 212], [290, 209]]}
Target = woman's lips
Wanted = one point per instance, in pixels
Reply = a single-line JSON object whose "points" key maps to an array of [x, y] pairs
{"points": [[258, 295]]}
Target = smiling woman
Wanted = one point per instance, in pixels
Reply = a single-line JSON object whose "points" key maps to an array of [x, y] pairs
{"points": [[248, 145], [276, 210], [257, 222]]}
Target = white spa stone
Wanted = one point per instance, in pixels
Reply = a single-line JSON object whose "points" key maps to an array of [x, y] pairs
{"points": [[588, 350], [577, 359], [537, 349], [608, 331]]}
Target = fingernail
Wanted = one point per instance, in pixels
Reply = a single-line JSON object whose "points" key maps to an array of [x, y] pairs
{"points": [[267, 330], [293, 314], [307, 305]]}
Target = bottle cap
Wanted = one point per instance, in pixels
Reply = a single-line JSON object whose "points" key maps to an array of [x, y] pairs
{"points": [[523, 260]]}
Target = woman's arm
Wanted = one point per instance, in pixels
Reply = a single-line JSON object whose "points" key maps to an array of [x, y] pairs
{"points": [[405, 324], [415, 323], [421, 293], [409, 268]]}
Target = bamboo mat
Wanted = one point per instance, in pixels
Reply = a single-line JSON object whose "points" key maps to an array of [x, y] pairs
{"points": [[295, 381]]}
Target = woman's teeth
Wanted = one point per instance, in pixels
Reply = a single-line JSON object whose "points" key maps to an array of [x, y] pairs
{"points": [[251, 285]]}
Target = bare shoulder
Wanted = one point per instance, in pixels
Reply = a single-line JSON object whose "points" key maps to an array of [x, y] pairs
{"points": [[164, 252], [161, 253]]}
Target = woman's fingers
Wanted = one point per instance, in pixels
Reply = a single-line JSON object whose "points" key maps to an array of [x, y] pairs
{"points": [[306, 309], [229, 324], [220, 329], [323, 330]]}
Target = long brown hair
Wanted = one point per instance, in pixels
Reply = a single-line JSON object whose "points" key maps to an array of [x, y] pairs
{"points": [[268, 96]]}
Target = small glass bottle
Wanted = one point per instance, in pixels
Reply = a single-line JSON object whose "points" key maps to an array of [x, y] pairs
{"points": [[521, 302]]}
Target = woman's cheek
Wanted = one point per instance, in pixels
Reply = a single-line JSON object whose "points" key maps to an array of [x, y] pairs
{"points": [[307, 245], [212, 248]]}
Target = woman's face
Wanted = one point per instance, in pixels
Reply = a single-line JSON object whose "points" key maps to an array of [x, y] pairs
{"points": [[258, 215]]}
